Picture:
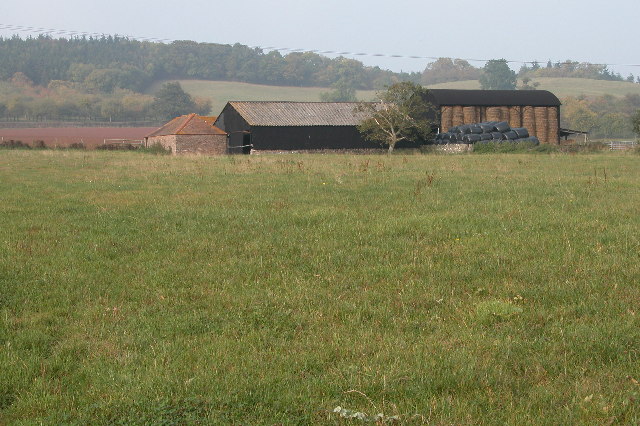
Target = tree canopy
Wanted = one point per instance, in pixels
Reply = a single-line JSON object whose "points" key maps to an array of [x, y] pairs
{"points": [[172, 101], [497, 75], [635, 123], [402, 113]]}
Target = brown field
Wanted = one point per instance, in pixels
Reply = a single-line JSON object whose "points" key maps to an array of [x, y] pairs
{"points": [[64, 136]]}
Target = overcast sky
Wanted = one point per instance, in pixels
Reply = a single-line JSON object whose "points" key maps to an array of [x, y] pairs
{"points": [[556, 30]]}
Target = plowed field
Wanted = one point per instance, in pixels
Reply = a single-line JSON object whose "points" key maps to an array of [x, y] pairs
{"points": [[65, 136]]}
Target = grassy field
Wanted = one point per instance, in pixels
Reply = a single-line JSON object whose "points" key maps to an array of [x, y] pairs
{"points": [[470, 289], [220, 92]]}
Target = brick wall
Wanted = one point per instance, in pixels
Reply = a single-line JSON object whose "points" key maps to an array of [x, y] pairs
{"points": [[192, 144], [167, 142], [201, 144]]}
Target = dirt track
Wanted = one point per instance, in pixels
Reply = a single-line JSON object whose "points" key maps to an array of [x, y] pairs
{"points": [[65, 136]]}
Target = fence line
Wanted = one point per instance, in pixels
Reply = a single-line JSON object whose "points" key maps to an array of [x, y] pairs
{"points": [[622, 145]]}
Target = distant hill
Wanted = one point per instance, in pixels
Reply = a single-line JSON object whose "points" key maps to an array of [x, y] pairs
{"points": [[563, 87], [220, 92]]}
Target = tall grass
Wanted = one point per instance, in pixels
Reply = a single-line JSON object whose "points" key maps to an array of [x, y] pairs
{"points": [[262, 290]]}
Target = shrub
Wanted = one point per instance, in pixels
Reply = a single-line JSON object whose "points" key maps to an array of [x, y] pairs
{"points": [[77, 145], [156, 149], [509, 147], [11, 144]]}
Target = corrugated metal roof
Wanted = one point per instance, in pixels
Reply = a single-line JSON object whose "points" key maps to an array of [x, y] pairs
{"points": [[493, 97], [258, 113], [191, 124]]}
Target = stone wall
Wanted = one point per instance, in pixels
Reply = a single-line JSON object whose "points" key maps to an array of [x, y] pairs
{"points": [[192, 144], [201, 144], [168, 142]]}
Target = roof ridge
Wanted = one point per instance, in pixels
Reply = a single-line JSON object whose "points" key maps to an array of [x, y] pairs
{"points": [[189, 118]]}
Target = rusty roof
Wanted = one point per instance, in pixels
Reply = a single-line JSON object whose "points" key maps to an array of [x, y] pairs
{"points": [[191, 124], [493, 97], [276, 113]]}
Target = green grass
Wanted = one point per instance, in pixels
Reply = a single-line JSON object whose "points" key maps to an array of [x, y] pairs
{"points": [[469, 289], [221, 92], [563, 87]]}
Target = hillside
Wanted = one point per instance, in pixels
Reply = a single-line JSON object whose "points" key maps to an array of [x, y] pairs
{"points": [[219, 92], [563, 87]]}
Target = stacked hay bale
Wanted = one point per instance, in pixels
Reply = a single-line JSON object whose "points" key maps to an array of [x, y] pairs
{"points": [[529, 120], [542, 123], [494, 114], [470, 114], [552, 119], [446, 121], [504, 113], [515, 118], [458, 115]]}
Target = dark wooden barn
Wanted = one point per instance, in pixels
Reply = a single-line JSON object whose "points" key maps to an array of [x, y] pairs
{"points": [[292, 126], [537, 110]]}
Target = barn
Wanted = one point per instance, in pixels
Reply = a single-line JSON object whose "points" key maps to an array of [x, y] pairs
{"points": [[536, 110], [259, 126], [191, 133]]}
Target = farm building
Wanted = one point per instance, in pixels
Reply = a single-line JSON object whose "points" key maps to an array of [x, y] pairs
{"points": [[190, 134], [292, 126], [536, 110]]}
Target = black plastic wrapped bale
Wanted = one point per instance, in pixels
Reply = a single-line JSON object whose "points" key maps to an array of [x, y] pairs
{"points": [[511, 135], [475, 129], [521, 132], [497, 136], [460, 137], [445, 137], [438, 137], [454, 129], [466, 129], [486, 127], [486, 137], [501, 127], [471, 138]]}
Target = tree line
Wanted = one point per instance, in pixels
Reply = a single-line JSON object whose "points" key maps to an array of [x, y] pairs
{"points": [[445, 70], [108, 63], [603, 117]]}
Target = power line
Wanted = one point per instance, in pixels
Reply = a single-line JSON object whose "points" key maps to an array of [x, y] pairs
{"points": [[71, 33]]}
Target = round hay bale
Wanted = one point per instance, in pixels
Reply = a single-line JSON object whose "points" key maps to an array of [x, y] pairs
{"points": [[486, 127], [521, 132], [494, 114], [475, 129], [542, 123], [515, 116], [511, 135], [446, 118], [502, 126], [554, 126], [504, 113], [458, 115], [486, 137], [529, 119], [470, 114]]}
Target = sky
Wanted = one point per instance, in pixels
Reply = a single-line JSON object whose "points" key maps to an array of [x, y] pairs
{"points": [[602, 32]]}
